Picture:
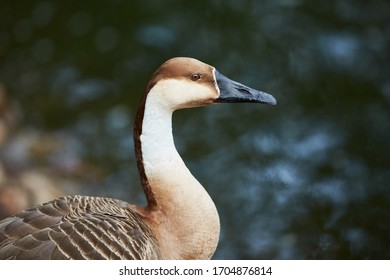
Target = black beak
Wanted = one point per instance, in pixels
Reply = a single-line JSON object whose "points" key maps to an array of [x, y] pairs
{"points": [[234, 92]]}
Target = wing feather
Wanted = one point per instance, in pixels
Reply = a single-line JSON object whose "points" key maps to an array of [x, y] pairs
{"points": [[77, 227]]}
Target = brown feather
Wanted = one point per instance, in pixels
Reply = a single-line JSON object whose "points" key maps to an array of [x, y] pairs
{"points": [[77, 227]]}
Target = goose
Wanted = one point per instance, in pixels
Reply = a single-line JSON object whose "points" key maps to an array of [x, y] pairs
{"points": [[179, 221]]}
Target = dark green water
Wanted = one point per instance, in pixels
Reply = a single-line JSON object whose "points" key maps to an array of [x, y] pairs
{"points": [[306, 179]]}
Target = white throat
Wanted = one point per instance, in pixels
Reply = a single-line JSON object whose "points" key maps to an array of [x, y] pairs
{"points": [[190, 224]]}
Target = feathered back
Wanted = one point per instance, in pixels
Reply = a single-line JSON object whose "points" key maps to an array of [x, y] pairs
{"points": [[77, 227]]}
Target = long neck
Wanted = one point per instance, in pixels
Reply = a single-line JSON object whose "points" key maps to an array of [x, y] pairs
{"points": [[186, 217]]}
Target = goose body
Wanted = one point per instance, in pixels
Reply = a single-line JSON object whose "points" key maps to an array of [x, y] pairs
{"points": [[180, 220]]}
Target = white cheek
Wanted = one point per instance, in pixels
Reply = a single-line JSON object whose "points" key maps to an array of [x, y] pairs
{"points": [[179, 94]]}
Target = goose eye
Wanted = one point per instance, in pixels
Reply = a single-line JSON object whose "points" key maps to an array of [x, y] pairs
{"points": [[196, 76]]}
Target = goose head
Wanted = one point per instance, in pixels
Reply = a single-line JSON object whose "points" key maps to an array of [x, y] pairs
{"points": [[184, 82]]}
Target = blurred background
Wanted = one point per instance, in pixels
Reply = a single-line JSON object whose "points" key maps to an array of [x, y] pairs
{"points": [[306, 179]]}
